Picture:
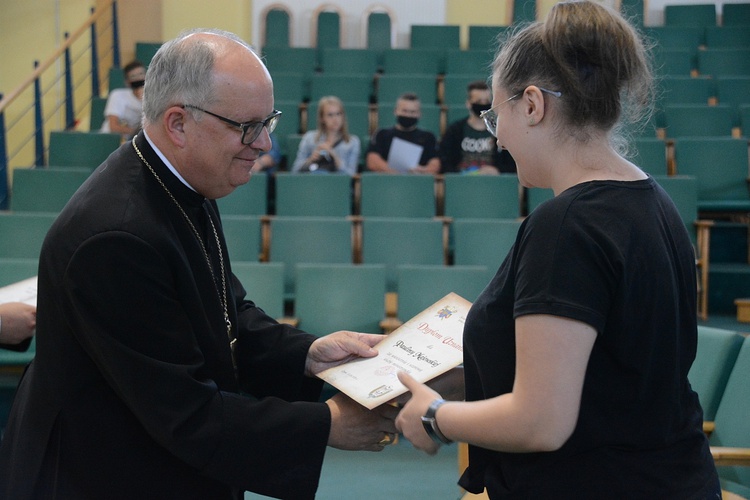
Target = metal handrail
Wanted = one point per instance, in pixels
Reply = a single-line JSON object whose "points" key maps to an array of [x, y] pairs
{"points": [[62, 55]]}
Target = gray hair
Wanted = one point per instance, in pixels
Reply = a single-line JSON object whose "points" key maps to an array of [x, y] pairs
{"points": [[181, 72]]}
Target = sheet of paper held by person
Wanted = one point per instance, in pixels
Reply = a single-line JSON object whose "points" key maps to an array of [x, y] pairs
{"points": [[21, 291], [404, 155], [429, 344]]}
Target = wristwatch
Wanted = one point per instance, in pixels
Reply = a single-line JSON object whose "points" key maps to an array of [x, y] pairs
{"points": [[430, 423]]}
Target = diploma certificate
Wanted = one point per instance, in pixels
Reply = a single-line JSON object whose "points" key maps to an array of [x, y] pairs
{"points": [[428, 345], [21, 291]]}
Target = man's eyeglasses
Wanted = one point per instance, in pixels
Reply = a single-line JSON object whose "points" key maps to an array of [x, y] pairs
{"points": [[250, 130], [490, 117]]}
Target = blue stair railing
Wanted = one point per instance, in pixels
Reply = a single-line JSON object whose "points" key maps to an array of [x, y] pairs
{"points": [[23, 140]]}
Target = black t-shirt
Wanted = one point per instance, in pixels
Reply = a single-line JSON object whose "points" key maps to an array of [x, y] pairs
{"points": [[616, 256], [464, 149], [382, 139]]}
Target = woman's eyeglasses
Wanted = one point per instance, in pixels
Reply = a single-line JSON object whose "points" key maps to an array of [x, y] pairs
{"points": [[490, 117]]}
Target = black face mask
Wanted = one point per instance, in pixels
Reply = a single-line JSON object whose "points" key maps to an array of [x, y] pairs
{"points": [[477, 108], [137, 84], [407, 121]]}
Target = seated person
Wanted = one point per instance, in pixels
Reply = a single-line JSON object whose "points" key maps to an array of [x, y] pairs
{"points": [[417, 147], [269, 160], [122, 114], [467, 146], [329, 148]]}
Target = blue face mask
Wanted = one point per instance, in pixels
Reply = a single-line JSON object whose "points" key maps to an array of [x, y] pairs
{"points": [[407, 122]]}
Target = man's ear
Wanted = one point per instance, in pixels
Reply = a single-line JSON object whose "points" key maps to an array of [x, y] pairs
{"points": [[174, 125], [533, 101]]}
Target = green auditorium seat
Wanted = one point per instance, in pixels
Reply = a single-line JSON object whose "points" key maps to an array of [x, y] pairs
{"points": [[243, 236], [391, 86], [727, 37], [395, 241], [717, 351], [264, 284], [116, 79], [724, 62], [720, 164], [338, 61], [289, 122], [380, 34], [293, 87], [536, 196], [145, 51], [483, 242], [421, 286], [485, 37], [454, 88], [429, 36], [96, 115], [290, 148], [680, 62], [316, 240], [81, 149], [481, 197], [425, 61], [690, 15], [327, 27], [13, 270], [348, 88], [23, 233], [731, 434], [744, 117], [247, 199], [686, 90], [305, 195], [45, 189], [650, 154], [396, 195], [735, 14], [688, 120], [677, 37], [468, 62], [301, 60], [275, 24], [733, 90], [456, 111], [332, 297], [524, 11]]}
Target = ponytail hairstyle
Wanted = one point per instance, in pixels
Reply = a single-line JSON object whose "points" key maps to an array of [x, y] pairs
{"points": [[594, 57]]}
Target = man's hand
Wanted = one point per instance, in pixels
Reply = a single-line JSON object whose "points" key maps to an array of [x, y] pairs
{"points": [[354, 427], [338, 348]]}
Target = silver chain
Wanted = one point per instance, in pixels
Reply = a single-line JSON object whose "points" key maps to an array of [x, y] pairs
{"points": [[223, 294]]}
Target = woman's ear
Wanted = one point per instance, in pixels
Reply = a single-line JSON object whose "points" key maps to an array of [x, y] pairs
{"points": [[534, 109]]}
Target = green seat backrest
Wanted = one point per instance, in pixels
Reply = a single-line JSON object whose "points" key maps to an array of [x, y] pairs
{"points": [[462, 62], [277, 32], [650, 154], [391, 86], [427, 36], [397, 241], [348, 88], [264, 284], [727, 62], [96, 117], [305, 195], [338, 61], [288, 86], [333, 297], [727, 37], [735, 14], [289, 123], [13, 270], [242, 233], [116, 79], [248, 199], [483, 242], [690, 15], [81, 149], [679, 62], [454, 87], [45, 189], [328, 30], [696, 120], [714, 359], [683, 189], [23, 233], [686, 90], [424, 61], [316, 240], [677, 37], [145, 51], [481, 197], [524, 11], [421, 286], [733, 416], [484, 37], [378, 31], [396, 195], [733, 90], [536, 196], [302, 60]]}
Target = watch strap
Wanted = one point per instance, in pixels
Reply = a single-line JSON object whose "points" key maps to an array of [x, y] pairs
{"points": [[429, 422]]}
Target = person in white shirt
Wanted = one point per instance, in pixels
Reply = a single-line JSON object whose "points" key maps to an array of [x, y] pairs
{"points": [[122, 114]]}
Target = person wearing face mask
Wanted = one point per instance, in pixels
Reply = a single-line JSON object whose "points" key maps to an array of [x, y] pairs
{"points": [[467, 147], [122, 114], [418, 146]]}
